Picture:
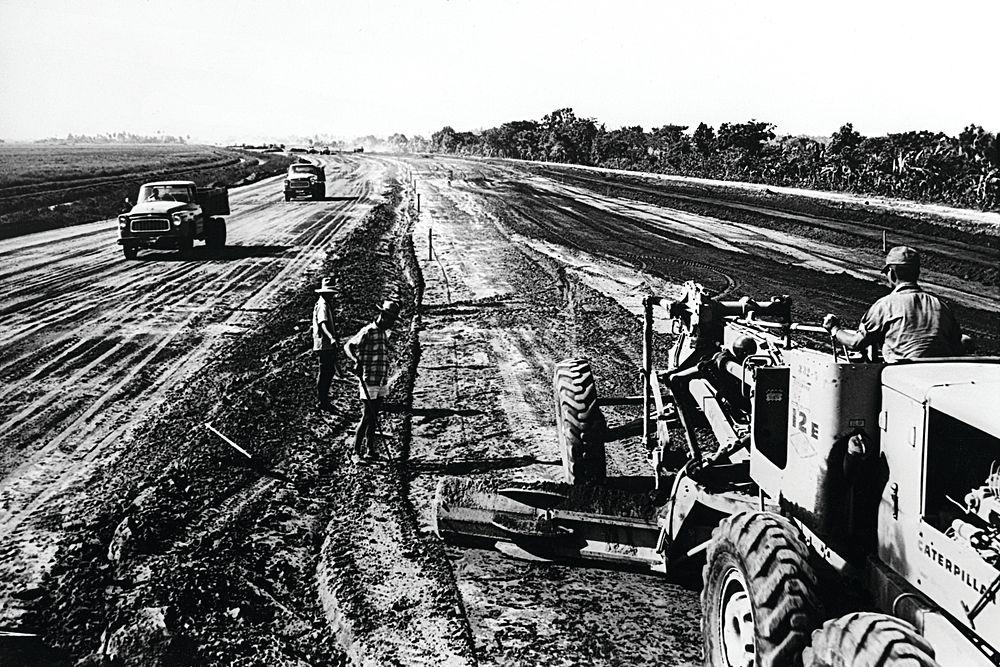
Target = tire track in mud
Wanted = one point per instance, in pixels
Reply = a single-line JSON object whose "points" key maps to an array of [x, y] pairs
{"points": [[131, 369], [218, 285], [817, 292], [970, 251]]}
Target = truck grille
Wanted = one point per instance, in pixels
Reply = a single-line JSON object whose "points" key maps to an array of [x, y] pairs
{"points": [[299, 183], [150, 225]]}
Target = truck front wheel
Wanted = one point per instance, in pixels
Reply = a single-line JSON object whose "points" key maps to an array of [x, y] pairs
{"points": [[759, 601], [868, 640], [130, 251]]}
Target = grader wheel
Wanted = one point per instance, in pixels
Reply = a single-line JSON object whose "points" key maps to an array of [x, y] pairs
{"points": [[868, 640], [759, 603], [579, 422]]}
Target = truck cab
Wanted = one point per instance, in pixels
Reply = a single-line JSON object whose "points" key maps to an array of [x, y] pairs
{"points": [[305, 179], [172, 215]]}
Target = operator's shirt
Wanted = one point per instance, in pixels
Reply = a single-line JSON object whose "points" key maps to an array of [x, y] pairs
{"points": [[911, 324], [322, 313], [371, 347]]}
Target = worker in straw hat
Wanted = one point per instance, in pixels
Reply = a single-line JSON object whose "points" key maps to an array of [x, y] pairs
{"points": [[324, 333], [369, 350], [908, 322]]}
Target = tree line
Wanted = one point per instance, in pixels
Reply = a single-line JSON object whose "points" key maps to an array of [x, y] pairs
{"points": [[115, 138], [919, 165]]}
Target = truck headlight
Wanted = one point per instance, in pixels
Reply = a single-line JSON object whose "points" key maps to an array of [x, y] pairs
{"points": [[122, 221], [177, 218], [288, 182]]}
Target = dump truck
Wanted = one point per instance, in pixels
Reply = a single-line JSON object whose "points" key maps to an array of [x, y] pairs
{"points": [[172, 215], [305, 179], [843, 511]]}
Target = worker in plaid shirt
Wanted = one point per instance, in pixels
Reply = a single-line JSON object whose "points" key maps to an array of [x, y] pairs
{"points": [[369, 350]]}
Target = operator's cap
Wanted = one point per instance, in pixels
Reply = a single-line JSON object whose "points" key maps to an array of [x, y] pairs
{"points": [[902, 255]]}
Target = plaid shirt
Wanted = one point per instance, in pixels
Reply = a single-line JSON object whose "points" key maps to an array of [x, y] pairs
{"points": [[371, 347]]}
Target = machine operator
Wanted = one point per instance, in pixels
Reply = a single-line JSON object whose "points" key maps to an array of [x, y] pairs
{"points": [[908, 322]]}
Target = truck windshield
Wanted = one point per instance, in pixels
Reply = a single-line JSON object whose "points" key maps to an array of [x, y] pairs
{"points": [[164, 193], [303, 169]]}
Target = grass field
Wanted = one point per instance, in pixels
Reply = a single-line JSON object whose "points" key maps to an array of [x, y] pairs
{"points": [[45, 186], [31, 164]]}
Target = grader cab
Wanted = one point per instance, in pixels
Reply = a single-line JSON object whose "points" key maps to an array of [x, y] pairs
{"points": [[805, 482]]}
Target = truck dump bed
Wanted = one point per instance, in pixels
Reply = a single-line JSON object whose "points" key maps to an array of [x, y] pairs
{"points": [[213, 201]]}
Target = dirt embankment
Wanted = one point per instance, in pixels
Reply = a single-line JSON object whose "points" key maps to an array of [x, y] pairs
{"points": [[188, 553]]}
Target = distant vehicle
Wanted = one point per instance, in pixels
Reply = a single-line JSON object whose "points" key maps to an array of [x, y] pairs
{"points": [[297, 149], [325, 151], [305, 180], [359, 149], [313, 151], [173, 214]]}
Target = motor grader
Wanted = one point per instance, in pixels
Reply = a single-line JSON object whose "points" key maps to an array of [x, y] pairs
{"points": [[844, 511]]}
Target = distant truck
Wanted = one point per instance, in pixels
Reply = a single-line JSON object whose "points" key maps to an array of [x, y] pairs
{"points": [[173, 214], [305, 179]]}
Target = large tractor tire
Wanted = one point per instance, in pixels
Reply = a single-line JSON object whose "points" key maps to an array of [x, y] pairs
{"points": [[759, 602], [868, 640], [579, 422]]}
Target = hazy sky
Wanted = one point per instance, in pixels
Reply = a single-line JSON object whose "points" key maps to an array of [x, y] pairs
{"points": [[248, 69]]}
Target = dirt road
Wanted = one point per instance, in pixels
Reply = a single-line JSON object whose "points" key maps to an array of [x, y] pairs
{"points": [[510, 270], [91, 342]]}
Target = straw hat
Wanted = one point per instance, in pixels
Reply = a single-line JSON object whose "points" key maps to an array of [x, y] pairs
{"points": [[326, 287], [389, 307]]}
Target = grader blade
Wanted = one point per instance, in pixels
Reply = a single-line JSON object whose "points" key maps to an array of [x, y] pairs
{"points": [[549, 521]]}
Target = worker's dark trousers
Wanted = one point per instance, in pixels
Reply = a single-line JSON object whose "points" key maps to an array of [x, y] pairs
{"points": [[366, 430], [327, 369]]}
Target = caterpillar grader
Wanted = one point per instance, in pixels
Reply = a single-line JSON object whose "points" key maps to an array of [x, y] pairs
{"points": [[844, 511]]}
